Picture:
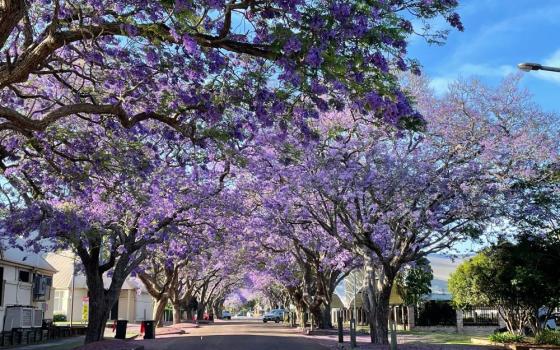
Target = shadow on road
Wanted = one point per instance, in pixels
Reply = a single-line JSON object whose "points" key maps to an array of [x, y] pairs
{"points": [[231, 342]]}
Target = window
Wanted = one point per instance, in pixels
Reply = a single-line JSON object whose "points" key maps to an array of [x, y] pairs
{"points": [[24, 276], [42, 287], [58, 301]]}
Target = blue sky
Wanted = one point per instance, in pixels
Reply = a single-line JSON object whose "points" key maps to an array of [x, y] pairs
{"points": [[498, 35]]}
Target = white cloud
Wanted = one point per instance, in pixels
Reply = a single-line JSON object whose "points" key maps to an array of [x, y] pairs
{"points": [[440, 83], [484, 70]]}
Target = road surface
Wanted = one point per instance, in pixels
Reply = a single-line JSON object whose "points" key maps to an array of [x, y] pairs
{"points": [[237, 334]]}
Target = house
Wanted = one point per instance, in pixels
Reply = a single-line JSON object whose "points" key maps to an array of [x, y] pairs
{"points": [[71, 295], [26, 280]]}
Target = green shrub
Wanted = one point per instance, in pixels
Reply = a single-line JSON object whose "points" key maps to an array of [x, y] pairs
{"points": [[548, 337], [506, 337], [59, 318]]}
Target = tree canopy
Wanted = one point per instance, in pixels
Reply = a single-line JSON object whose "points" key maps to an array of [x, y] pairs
{"points": [[521, 279]]}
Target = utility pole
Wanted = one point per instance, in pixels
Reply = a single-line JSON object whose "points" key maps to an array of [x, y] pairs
{"points": [[72, 297]]}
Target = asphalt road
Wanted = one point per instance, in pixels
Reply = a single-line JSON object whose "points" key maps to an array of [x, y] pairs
{"points": [[236, 335]]}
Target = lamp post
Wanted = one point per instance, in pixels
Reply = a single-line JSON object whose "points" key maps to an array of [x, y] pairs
{"points": [[528, 66], [353, 343]]}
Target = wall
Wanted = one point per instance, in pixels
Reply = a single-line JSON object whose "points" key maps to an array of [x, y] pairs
{"points": [[132, 307], [144, 307], [79, 295], [20, 293]]}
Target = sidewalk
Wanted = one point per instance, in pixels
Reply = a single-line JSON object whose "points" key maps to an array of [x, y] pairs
{"points": [[58, 344], [133, 330]]}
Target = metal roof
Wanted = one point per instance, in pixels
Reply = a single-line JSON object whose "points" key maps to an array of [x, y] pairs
{"points": [[26, 258]]}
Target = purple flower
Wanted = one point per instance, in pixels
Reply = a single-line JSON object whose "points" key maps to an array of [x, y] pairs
{"points": [[341, 11], [380, 62], [292, 45], [374, 100], [152, 57], [455, 21], [181, 5], [314, 58], [190, 45]]}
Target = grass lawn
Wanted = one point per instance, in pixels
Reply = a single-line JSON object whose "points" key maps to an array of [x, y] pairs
{"points": [[432, 337], [65, 344], [442, 337]]}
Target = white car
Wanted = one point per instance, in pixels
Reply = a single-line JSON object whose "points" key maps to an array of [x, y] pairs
{"points": [[226, 315], [275, 315]]}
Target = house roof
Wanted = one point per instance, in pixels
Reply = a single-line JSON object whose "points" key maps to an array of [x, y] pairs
{"points": [[25, 257], [64, 262], [336, 302]]}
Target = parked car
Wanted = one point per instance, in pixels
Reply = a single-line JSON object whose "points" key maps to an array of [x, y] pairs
{"points": [[226, 315], [275, 315], [552, 322]]}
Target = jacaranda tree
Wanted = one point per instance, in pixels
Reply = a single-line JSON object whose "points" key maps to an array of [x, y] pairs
{"points": [[109, 196], [205, 68], [393, 195], [279, 227]]}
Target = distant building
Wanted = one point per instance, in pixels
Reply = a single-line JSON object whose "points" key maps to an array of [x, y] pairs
{"points": [[442, 268], [135, 303], [26, 280]]}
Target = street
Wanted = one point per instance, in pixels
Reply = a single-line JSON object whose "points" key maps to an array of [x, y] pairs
{"points": [[240, 334]]}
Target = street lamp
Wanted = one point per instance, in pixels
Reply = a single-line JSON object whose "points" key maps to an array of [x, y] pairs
{"points": [[527, 67]]}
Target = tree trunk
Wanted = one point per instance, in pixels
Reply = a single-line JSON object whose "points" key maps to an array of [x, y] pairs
{"points": [[101, 302], [190, 314], [159, 311], [176, 313], [98, 316], [200, 311], [315, 311], [300, 311], [325, 321], [379, 282], [217, 309]]}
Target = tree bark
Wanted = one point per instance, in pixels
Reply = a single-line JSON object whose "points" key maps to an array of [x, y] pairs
{"points": [[200, 311], [379, 281], [101, 301], [325, 321], [176, 313], [11, 12], [300, 313], [159, 311]]}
